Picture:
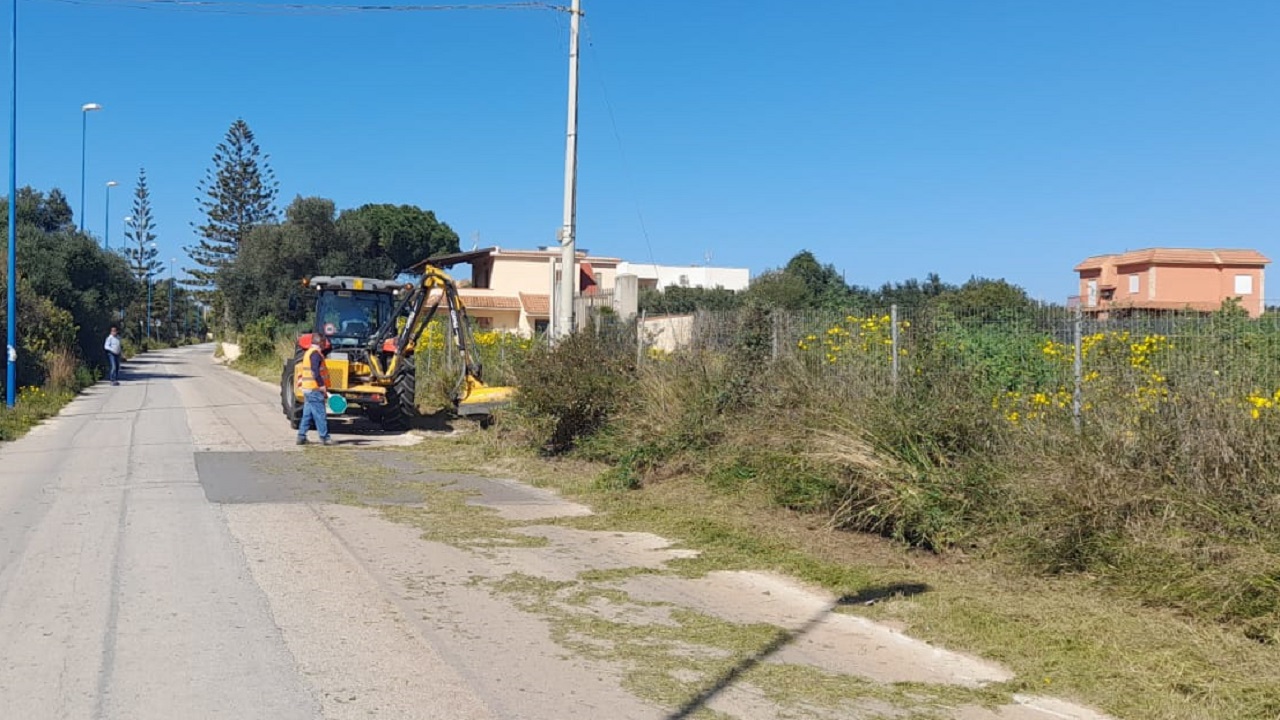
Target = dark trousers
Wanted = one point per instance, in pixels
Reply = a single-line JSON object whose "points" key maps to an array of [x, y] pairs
{"points": [[113, 367]]}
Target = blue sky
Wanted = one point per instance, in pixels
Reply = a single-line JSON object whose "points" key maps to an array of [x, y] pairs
{"points": [[1000, 138]]}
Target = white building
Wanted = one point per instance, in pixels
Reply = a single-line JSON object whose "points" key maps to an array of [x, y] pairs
{"points": [[700, 276]]}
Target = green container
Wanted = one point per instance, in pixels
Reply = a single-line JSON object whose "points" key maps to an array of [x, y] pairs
{"points": [[337, 404]]}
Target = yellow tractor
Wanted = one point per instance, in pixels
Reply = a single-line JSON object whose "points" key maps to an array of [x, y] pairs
{"points": [[373, 327]]}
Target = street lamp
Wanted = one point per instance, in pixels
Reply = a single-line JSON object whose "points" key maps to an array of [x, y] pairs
{"points": [[172, 262], [106, 238], [84, 148], [148, 261], [128, 220]]}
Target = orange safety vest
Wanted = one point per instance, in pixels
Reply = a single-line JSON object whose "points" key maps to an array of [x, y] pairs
{"points": [[307, 380]]}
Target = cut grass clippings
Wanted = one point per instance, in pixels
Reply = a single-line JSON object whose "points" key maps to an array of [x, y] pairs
{"points": [[1067, 636]]}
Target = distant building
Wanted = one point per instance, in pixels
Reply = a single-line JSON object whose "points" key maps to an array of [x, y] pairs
{"points": [[660, 276], [1172, 279], [510, 290]]}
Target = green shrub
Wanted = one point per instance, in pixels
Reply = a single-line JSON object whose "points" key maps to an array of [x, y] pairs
{"points": [[258, 339], [577, 384]]}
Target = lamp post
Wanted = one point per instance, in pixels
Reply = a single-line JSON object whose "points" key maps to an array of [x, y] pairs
{"points": [[106, 233], [128, 220], [172, 262], [84, 150], [148, 261], [11, 355]]}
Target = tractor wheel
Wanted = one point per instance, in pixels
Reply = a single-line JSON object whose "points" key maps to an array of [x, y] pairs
{"points": [[289, 401], [402, 399]]}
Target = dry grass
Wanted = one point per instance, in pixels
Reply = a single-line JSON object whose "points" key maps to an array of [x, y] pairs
{"points": [[1066, 636]]}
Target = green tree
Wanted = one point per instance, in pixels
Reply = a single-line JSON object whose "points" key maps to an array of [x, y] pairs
{"points": [[802, 283], [780, 289], [679, 300], [50, 213], [402, 234], [69, 290], [826, 286], [237, 195], [983, 299], [140, 239], [374, 241]]}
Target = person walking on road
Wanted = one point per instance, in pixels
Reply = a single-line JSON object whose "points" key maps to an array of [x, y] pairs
{"points": [[314, 383], [114, 351]]}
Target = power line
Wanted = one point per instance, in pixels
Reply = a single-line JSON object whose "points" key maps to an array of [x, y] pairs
{"points": [[233, 7]]}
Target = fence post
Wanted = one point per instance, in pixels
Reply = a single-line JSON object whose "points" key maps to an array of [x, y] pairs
{"points": [[893, 334], [773, 321], [1077, 368], [640, 340]]}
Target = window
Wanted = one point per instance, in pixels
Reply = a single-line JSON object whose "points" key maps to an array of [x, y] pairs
{"points": [[349, 318], [1244, 284], [541, 326], [484, 323], [1093, 293], [1133, 284]]}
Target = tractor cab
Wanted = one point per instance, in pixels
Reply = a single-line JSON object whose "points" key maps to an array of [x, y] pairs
{"points": [[350, 310]]}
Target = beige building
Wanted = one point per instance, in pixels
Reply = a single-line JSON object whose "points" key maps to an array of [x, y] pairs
{"points": [[1172, 279], [510, 290]]}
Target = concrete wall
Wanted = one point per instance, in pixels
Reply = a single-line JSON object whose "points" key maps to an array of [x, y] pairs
{"points": [[668, 332]]}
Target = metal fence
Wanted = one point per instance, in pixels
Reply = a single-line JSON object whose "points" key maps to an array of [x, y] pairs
{"points": [[1052, 354]]}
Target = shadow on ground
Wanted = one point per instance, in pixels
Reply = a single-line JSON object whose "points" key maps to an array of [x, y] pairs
{"points": [[783, 638]]}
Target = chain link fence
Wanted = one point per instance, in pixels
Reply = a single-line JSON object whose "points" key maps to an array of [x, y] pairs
{"points": [[1030, 361]]}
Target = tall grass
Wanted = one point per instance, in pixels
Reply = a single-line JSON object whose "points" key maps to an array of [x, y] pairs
{"points": [[1169, 490]]}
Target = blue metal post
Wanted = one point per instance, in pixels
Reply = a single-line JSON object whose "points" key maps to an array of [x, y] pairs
{"points": [[84, 151], [11, 357], [106, 238]]}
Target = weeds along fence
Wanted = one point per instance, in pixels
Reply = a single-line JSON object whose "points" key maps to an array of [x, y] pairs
{"points": [[1050, 361]]}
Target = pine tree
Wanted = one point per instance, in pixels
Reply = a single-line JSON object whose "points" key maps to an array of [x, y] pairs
{"points": [[140, 250], [237, 194]]}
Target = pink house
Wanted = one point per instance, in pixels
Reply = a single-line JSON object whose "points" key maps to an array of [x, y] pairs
{"points": [[1172, 279]]}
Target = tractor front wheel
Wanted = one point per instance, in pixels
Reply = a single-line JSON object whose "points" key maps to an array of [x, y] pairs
{"points": [[289, 401]]}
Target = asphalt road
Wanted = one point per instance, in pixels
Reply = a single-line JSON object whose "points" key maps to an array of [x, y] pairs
{"points": [[167, 553]]}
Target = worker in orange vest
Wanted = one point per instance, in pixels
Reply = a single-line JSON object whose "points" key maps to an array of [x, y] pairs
{"points": [[314, 384]]}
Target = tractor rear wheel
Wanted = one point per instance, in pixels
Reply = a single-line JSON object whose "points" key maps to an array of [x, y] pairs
{"points": [[289, 401]]}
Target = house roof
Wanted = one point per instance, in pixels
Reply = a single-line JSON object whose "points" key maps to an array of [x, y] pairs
{"points": [[447, 261], [1176, 256], [536, 305], [482, 300]]}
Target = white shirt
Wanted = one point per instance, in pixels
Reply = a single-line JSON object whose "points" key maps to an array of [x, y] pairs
{"points": [[112, 345]]}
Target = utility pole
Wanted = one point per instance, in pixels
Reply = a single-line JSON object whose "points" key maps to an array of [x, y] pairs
{"points": [[568, 239]]}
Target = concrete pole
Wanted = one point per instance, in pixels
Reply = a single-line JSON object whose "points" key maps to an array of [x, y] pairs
{"points": [[568, 239]]}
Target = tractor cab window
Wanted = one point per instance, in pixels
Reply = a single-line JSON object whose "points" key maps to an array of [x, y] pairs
{"points": [[349, 318]]}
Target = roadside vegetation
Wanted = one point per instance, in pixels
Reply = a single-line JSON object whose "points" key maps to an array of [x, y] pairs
{"points": [[70, 292], [1133, 563]]}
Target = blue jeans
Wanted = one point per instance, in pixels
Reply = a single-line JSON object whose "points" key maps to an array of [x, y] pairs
{"points": [[313, 411], [113, 367]]}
